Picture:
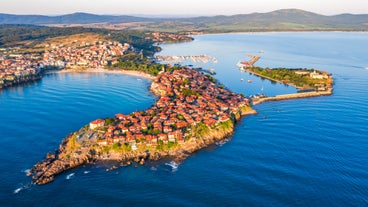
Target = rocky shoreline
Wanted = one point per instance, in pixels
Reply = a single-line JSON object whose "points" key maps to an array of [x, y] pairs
{"points": [[20, 81], [56, 163]]}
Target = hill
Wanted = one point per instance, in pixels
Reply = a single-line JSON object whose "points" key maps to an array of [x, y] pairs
{"points": [[30, 36], [279, 20], [75, 18]]}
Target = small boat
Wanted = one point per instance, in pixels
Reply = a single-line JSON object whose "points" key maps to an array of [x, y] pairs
{"points": [[249, 81], [241, 79], [68, 177]]}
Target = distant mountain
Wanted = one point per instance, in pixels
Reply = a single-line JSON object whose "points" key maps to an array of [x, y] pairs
{"points": [[75, 18], [279, 20], [285, 19]]}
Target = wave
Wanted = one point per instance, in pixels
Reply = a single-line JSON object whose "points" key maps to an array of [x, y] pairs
{"points": [[174, 166], [26, 170], [86, 172], [71, 175], [21, 188], [18, 190], [222, 142]]}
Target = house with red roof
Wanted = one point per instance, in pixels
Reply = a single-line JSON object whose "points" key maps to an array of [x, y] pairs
{"points": [[96, 123]]}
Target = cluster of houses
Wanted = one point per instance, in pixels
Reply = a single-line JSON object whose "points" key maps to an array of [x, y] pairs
{"points": [[92, 55], [325, 80], [316, 75], [187, 99], [16, 68], [168, 37], [313, 75]]}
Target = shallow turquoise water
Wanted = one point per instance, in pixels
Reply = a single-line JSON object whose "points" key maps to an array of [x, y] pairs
{"points": [[306, 152]]}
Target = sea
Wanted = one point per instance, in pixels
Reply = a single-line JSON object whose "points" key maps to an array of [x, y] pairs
{"points": [[304, 152]]}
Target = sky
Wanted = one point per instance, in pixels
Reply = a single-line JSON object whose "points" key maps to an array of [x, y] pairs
{"points": [[179, 7]]}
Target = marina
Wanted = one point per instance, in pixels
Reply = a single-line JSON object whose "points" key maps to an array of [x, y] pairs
{"points": [[181, 58]]}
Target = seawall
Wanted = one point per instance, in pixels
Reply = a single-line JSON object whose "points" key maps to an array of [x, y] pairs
{"points": [[292, 96]]}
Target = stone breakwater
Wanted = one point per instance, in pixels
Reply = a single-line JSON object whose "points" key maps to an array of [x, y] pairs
{"points": [[292, 96], [200, 112]]}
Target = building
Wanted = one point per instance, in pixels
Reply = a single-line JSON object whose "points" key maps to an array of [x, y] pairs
{"points": [[96, 123]]}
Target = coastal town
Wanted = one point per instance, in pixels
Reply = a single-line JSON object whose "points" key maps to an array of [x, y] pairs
{"points": [[192, 112], [18, 65], [166, 37], [187, 99], [19, 68]]}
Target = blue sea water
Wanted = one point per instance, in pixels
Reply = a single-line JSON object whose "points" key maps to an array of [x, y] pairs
{"points": [[305, 152]]}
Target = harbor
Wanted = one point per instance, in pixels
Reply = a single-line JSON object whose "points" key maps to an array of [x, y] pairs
{"points": [[195, 59], [181, 58]]}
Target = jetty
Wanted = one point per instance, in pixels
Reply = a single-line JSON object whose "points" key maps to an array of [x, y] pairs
{"points": [[259, 100], [248, 64]]}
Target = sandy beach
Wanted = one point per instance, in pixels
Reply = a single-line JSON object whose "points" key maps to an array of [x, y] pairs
{"points": [[100, 70]]}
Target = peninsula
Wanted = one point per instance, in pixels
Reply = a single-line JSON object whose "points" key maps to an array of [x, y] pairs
{"points": [[309, 82], [192, 112]]}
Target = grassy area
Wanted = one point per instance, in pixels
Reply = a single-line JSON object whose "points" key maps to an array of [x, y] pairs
{"points": [[72, 40], [200, 130], [134, 61], [72, 144], [291, 76], [116, 147], [166, 147], [225, 125]]}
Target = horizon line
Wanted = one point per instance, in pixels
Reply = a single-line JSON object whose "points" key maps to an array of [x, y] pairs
{"points": [[173, 15]]}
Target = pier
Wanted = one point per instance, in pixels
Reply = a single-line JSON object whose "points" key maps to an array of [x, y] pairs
{"points": [[256, 101]]}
